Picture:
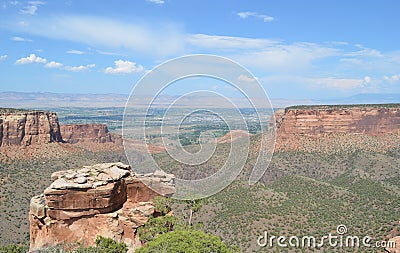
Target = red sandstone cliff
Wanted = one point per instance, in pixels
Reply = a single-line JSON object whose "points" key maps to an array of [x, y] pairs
{"points": [[316, 120], [336, 128], [22, 127], [93, 133], [28, 127], [104, 199]]}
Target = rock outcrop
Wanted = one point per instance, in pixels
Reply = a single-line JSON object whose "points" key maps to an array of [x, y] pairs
{"points": [[104, 199], [24, 127], [21, 127], [93, 133], [354, 119]]}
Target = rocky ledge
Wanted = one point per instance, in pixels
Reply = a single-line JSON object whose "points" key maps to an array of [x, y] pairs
{"points": [[350, 119], [103, 199], [92, 133]]}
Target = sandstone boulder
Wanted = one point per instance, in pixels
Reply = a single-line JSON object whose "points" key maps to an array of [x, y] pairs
{"points": [[103, 199]]}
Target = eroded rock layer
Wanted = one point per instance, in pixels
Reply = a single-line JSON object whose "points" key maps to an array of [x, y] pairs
{"points": [[93, 133], [317, 120], [29, 127], [103, 199]]}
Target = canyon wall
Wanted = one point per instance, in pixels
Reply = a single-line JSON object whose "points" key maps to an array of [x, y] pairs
{"points": [[22, 127], [318, 120], [28, 127], [93, 133], [103, 199]]}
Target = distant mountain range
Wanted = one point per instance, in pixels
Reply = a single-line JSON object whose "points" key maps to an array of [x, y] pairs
{"points": [[37, 100]]}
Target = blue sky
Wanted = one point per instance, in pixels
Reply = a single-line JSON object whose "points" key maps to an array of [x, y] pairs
{"points": [[296, 49]]}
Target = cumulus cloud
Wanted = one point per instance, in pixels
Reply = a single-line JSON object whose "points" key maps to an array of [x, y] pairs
{"points": [[160, 2], [367, 79], [31, 8], [124, 67], [32, 58], [3, 57], [75, 52], [247, 14], [20, 39], [80, 68], [53, 65]]}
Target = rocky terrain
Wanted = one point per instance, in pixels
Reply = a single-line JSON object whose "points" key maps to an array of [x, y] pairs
{"points": [[93, 133], [335, 172], [354, 119], [338, 128], [103, 199], [25, 128], [20, 127]]}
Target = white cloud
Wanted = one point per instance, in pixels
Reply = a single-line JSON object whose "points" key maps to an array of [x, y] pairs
{"points": [[32, 58], [247, 14], [367, 79], [247, 79], [124, 67], [80, 68], [75, 52], [31, 8], [393, 78], [20, 39], [160, 2], [156, 39], [54, 65], [365, 52], [108, 53], [337, 83], [286, 58], [228, 42], [3, 57]]}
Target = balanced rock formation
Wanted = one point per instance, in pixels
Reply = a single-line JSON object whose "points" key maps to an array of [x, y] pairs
{"points": [[22, 127], [93, 133], [103, 199], [352, 119]]}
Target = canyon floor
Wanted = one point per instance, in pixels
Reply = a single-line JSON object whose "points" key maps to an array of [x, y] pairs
{"points": [[303, 193]]}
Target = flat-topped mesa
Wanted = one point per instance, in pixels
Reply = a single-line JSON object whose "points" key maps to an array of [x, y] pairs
{"points": [[27, 127], [23, 127], [93, 133], [349, 119], [103, 199]]}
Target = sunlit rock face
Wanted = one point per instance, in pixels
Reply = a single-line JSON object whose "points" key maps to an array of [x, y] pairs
{"points": [[94, 133], [103, 199], [316, 120], [29, 127]]}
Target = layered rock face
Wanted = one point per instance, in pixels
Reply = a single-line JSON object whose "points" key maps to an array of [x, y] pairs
{"points": [[104, 199], [93, 133], [29, 127], [22, 127], [317, 120]]}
